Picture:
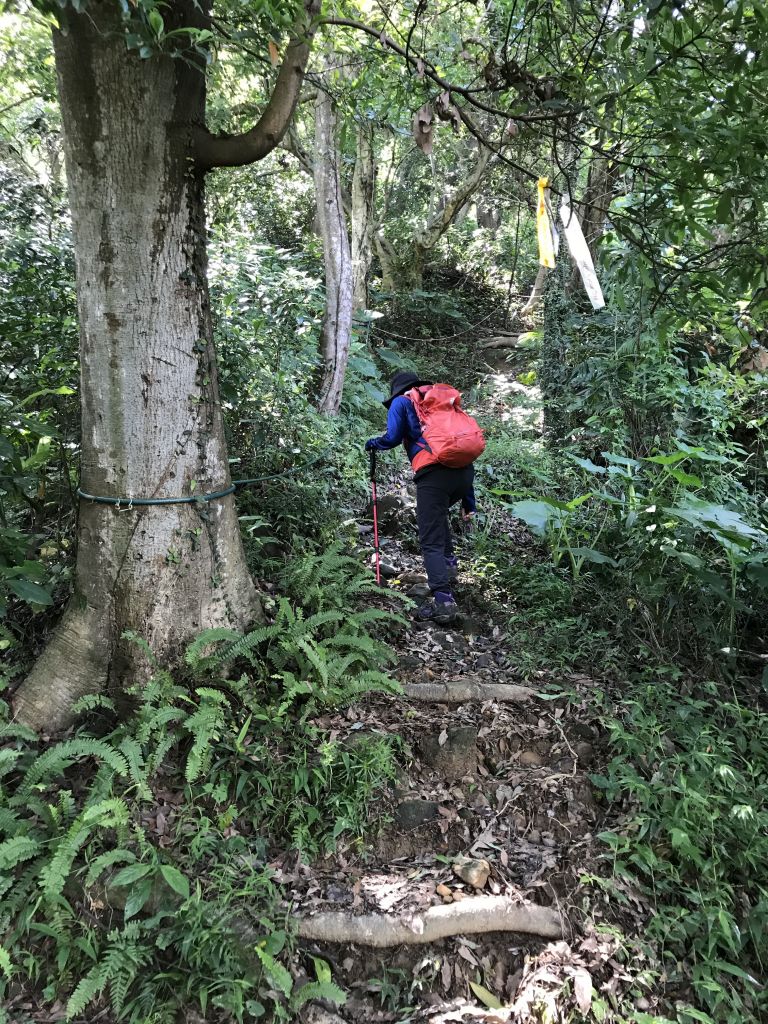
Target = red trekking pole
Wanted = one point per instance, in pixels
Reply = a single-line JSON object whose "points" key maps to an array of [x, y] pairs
{"points": [[375, 515]]}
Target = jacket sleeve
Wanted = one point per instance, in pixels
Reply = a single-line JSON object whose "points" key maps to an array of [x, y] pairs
{"points": [[396, 426], [468, 502]]}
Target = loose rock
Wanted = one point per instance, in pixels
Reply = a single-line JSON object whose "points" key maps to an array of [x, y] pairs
{"points": [[455, 758], [473, 872], [585, 753], [413, 813], [530, 759]]}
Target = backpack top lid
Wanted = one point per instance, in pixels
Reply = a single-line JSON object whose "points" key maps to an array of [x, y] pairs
{"points": [[432, 398]]}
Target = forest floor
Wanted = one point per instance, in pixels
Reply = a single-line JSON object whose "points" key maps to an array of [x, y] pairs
{"points": [[494, 805]]}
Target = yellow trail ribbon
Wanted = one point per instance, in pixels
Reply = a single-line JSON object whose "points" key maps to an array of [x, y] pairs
{"points": [[544, 227]]}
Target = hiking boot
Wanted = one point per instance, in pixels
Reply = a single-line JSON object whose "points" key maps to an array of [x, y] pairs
{"points": [[452, 565], [441, 608]]}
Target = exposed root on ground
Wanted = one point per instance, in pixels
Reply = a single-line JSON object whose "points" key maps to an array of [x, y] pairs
{"points": [[474, 916], [460, 690]]}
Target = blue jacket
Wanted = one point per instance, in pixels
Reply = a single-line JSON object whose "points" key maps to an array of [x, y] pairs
{"points": [[403, 427]]}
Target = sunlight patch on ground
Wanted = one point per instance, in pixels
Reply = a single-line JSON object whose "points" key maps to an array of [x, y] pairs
{"points": [[523, 403]]}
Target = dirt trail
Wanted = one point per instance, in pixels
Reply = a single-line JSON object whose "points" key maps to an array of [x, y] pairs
{"points": [[488, 828]]}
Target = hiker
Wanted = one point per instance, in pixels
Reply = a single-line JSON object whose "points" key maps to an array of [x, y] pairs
{"points": [[443, 473]]}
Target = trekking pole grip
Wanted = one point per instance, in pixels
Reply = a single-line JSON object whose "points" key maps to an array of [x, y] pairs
{"points": [[372, 458]]}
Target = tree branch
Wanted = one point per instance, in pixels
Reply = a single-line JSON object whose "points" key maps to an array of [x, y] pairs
{"points": [[423, 67], [209, 150], [439, 223]]}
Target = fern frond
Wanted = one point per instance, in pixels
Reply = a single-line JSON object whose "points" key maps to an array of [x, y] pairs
{"points": [[141, 643], [316, 658], [6, 965], [88, 988], [377, 615], [193, 654], [205, 726], [15, 851], [91, 701], [313, 623], [106, 860], [17, 731], [166, 742], [18, 892], [158, 721], [8, 759], [58, 758], [10, 823], [106, 814], [134, 758], [318, 990]]}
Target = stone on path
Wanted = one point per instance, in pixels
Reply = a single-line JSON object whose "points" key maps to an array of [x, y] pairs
{"points": [[413, 813], [473, 872], [455, 756]]}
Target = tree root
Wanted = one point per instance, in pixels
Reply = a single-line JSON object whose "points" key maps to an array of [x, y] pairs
{"points": [[474, 916], [461, 690], [503, 341]]}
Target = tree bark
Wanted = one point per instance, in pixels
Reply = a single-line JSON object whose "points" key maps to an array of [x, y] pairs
{"points": [[337, 322], [151, 417], [475, 916], [363, 183], [537, 294]]}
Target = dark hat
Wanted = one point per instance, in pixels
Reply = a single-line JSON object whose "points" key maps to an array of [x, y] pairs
{"points": [[402, 382]]}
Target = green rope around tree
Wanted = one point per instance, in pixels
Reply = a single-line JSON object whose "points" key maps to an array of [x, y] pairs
{"points": [[127, 503]]}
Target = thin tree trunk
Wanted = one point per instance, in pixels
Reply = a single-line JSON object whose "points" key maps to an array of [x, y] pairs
{"points": [[537, 294], [431, 233], [406, 270], [337, 322], [151, 417], [388, 260], [363, 182]]}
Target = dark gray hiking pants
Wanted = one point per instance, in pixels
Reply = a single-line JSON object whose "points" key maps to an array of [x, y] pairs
{"points": [[437, 489]]}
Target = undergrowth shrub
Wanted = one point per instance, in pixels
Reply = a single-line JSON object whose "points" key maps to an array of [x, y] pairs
{"points": [[133, 855], [691, 769]]}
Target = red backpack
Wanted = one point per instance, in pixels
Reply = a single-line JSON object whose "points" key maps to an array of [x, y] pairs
{"points": [[453, 438]]}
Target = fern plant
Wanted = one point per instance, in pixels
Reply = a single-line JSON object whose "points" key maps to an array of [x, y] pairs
{"points": [[93, 908]]}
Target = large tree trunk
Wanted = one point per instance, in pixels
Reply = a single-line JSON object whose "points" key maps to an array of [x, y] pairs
{"points": [[151, 418], [337, 323], [363, 182]]}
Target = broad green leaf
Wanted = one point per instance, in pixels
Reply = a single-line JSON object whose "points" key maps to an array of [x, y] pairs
{"points": [[591, 555], [686, 479], [486, 998], [535, 514], [177, 881], [588, 465], [620, 460], [667, 460], [32, 593], [156, 22], [131, 874], [137, 898]]}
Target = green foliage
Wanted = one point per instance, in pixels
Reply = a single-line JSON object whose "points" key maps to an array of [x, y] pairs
{"points": [[37, 415], [693, 767], [191, 919], [673, 553]]}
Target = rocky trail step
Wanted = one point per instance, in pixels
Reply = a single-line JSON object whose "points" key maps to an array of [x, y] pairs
{"points": [[464, 872]]}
